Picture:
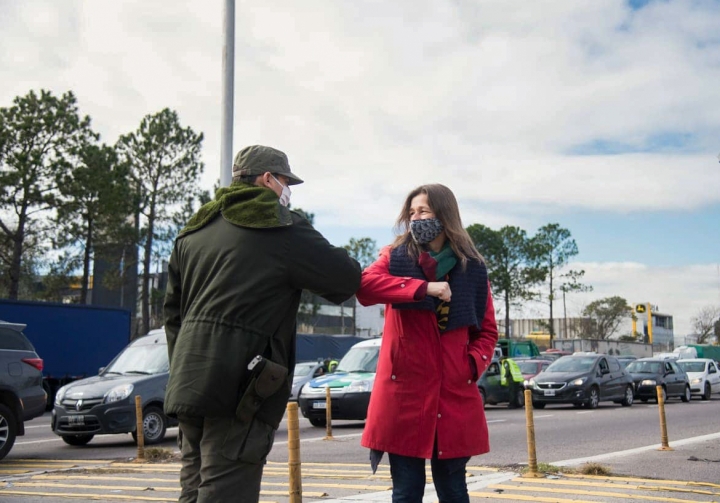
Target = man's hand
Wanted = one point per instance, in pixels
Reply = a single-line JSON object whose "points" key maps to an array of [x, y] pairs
{"points": [[439, 289]]}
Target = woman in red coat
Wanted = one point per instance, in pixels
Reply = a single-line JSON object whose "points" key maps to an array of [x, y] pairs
{"points": [[439, 337]]}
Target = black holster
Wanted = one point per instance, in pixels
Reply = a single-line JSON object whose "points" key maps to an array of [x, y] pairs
{"points": [[266, 379]]}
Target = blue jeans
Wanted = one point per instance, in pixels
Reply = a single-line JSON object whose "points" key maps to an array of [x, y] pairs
{"points": [[408, 478]]}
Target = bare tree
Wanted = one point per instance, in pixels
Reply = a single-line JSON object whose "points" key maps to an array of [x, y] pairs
{"points": [[703, 323]]}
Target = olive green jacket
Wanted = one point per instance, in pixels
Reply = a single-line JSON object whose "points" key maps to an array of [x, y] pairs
{"points": [[234, 281]]}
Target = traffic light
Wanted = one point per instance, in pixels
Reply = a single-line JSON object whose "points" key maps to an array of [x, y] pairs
{"points": [[640, 308]]}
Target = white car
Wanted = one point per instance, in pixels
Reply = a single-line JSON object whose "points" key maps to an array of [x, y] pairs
{"points": [[704, 376]]}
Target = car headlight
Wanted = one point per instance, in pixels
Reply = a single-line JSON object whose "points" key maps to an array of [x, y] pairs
{"points": [[697, 380], [118, 393], [532, 383], [303, 390], [526, 384], [648, 382], [60, 394], [578, 382], [360, 386]]}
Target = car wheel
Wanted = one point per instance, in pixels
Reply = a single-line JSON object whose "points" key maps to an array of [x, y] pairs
{"points": [[154, 426], [8, 430], [538, 405], [520, 398], [482, 395], [318, 422], [594, 398], [77, 440], [629, 396], [707, 392], [50, 402], [686, 396]]}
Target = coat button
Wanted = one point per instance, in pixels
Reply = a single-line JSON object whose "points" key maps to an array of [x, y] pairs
{"points": [[439, 415], [392, 377], [440, 453], [469, 381], [484, 357], [402, 285]]}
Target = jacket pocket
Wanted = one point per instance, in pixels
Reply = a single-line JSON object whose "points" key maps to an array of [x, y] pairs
{"points": [[248, 442]]}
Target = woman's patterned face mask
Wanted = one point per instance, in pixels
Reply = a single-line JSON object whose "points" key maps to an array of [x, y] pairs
{"points": [[425, 231]]}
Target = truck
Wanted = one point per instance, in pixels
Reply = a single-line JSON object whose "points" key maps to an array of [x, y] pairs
{"points": [[314, 347], [706, 351], [73, 340], [608, 347], [518, 347]]}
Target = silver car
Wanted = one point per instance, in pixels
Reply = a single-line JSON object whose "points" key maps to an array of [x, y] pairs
{"points": [[304, 372]]}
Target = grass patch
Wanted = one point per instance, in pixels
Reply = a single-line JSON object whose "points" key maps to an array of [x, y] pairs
{"points": [[549, 469], [160, 455], [594, 469]]}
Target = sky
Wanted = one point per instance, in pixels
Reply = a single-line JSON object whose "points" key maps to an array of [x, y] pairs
{"points": [[602, 117]]}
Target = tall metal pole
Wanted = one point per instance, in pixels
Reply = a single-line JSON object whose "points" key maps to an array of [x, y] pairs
{"points": [[228, 80]]}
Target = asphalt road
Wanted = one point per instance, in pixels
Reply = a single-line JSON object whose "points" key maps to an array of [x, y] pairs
{"points": [[564, 435]]}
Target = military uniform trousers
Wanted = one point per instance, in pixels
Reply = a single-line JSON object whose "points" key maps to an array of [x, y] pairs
{"points": [[222, 459]]}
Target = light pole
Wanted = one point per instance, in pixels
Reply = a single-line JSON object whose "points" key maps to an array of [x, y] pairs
{"points": [[228, 82]]}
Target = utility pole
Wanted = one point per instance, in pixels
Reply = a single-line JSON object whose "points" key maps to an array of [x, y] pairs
{"points": [[228, 83]]}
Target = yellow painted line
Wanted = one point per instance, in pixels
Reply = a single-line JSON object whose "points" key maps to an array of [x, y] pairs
{"points": [[581, 492], [85, 496], [522, 497], [93, 486], [642, 480], [78, 461], [640, 487], [176, 481]]}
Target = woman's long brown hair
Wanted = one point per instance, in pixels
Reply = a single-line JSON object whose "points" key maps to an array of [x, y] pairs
{"points": [[443, 203]]}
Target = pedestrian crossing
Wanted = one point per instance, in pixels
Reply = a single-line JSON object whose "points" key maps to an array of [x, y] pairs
{"points": [[123, 481]]}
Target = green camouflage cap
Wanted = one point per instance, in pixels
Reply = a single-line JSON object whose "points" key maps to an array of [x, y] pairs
{"points": [[257, 159]]}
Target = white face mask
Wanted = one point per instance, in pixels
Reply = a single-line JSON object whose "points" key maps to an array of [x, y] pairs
{"points": [[285, 194]]}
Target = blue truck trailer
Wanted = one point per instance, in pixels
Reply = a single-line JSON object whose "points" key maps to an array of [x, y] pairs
{"points": [[73, 340]]}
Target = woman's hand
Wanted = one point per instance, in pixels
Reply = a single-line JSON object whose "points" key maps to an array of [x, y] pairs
{"points": [[439, 289]]}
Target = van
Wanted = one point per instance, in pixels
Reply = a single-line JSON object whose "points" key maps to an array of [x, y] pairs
{"points": [[105, 403]]}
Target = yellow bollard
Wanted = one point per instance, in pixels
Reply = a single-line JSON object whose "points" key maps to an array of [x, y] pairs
{"points": [[328, 415], [532, 457], [140, 433], [293, 426], [663, 424]]}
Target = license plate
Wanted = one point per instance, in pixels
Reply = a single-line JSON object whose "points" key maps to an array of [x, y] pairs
{"points": [[549, 392], [76, 420], [320, 405]]}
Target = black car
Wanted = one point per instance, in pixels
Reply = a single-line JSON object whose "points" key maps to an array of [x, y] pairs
{"points": [[648, 373], [105, 403], [22, 396], [582, 380]]}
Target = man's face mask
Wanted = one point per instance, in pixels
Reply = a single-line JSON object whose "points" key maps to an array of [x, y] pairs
{"points": [[424, 231], [285, 195]]}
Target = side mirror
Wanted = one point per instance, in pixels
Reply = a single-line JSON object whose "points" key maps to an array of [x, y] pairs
{"points": [[604, 371], [100, 370]]}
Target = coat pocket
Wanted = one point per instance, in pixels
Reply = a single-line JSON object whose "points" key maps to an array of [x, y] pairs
{"points": [[248, 442]]}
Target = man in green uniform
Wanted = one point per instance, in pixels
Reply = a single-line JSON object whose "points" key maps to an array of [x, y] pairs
{"points": [[512, 377], [234, 282]]}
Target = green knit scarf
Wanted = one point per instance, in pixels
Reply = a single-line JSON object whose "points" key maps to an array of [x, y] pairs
{"points": [[242, 204], [446, 260]]}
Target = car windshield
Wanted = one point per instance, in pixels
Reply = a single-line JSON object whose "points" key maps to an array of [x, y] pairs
{"points": [[528, 367], [304, 369], [571, 365], [637, 367], [359, 360], [141, 359], [692, 366]]}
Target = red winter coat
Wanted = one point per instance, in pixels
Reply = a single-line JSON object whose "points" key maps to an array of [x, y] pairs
{"points": [[424, 384]]}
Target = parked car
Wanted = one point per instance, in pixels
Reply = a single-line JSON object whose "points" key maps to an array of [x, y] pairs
{"points": [[648, 373], [22, 396], [105, 404], [704, 376], [350, 386], [494, 393], [582, 380], [304, 372]]}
